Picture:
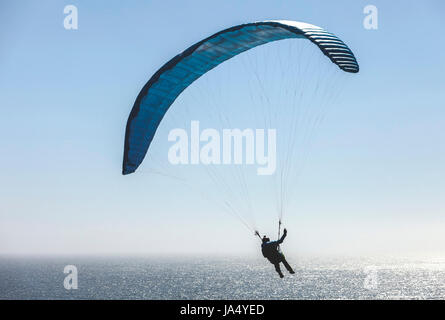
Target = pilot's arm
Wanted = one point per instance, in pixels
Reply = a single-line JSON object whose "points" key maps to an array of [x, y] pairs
{"points": [[282, 237]]}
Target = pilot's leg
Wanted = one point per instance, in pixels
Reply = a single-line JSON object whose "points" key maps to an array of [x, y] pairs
{"points": [[288, 267], [277, 268]]}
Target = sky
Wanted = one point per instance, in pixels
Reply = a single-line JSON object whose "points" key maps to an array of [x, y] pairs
{"points": [[374, 182]]}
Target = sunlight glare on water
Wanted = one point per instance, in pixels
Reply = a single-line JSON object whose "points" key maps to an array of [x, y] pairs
{"points": [[218, 278]]}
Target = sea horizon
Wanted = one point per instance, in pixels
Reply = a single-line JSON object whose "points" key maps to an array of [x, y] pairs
{"points": [[198, 277]]}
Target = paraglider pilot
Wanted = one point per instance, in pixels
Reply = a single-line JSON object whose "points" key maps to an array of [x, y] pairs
{"points": [[270, 250]]}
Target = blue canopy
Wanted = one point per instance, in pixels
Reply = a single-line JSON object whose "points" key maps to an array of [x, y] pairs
{"points": [[170, 80]]}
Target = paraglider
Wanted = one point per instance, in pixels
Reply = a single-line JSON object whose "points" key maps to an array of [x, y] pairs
{"points": [[271, 251], [164, 87]]}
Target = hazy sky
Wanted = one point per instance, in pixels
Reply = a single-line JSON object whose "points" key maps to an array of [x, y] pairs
{"points": [[374, 183]]}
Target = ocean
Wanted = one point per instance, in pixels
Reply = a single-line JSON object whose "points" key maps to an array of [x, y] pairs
{"points": [[221, 278]]}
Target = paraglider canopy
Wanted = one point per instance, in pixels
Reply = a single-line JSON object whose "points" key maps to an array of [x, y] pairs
{"points": [[176, 75]]}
